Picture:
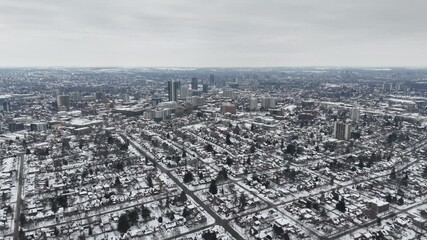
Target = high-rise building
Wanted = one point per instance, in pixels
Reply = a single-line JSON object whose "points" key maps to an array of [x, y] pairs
{"points": [[38, 126], [125, 97], [228, 93], [194, 83], [63, 100], [228, 108], [253, 104], [77, 96], [155, 101], [4, 106], [211, 79], [56, 93], [387, 87], [197, 101], [184, 92], [355, 113], [13, 127], [342, 130], [173, 90], [205, 88], [99, 95], [268, 102]]}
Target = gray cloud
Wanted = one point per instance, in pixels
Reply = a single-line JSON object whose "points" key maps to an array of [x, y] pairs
{"points": [[213, 33]]}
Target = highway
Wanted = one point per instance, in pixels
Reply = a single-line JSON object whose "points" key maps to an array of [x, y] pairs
{"points": [[19, 197]]}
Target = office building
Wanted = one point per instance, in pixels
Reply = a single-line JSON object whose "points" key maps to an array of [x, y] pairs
{"points": [[173, 87], [205, 88], [38, 127], [194, 83], [13, 127], [211, 79]]}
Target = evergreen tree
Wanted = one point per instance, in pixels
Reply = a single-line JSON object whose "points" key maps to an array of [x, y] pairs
{"points": [[242, 201], [227, 139], [236, 130], [393, 174], [229, 161], [252, 150], [209, 148], [133, 217], [123, 225], [182, 197], [361, 165], [278, 231], [56, 231], [400, 201], [405, 179], [185, 212], [341, 205], [145, 212], [22, 219], [222, 174], [208, 235], [149, 181], [213, 189], [117, 182], [188, 177], [291, 149], [170, 215]]}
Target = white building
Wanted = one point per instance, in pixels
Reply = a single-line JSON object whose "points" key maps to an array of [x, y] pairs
{"points": [[268, 102], [253, 104], [184, 92], [355, 113], [197, 101]]}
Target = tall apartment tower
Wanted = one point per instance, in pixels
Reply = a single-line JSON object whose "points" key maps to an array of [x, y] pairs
{"points": [[342, 130], [268, 102], [355, 113], [63, 100], [173, 90], [253, 104]]}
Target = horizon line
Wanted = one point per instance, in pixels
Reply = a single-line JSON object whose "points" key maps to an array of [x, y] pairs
{"points": [[223, 67]]}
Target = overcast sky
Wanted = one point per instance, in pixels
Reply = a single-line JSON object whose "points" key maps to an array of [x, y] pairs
{"points": [[223, 33]]}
